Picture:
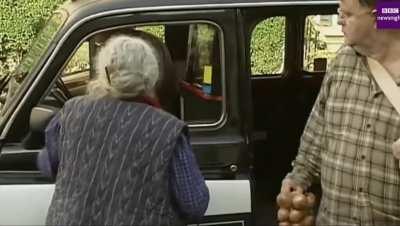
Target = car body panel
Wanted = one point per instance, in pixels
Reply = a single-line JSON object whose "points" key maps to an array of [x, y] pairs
{"points": [[28, 204]]}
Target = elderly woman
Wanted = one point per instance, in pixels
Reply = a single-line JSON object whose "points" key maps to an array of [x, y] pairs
{"points": [[119, 158]]}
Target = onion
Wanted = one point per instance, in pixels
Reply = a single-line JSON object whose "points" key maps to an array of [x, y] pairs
{"points": [[300, 202], [284, 200], [310, 199], [295, 216], [284, 223], [283, 214], [297, 224], [308, 220]]}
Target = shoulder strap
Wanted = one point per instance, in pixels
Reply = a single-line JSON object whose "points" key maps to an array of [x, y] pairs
{"points": [[386, 82], [390, 89]]}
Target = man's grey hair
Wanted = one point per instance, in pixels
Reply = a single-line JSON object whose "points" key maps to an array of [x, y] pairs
{"points": [[126, 67], [368, 3]]}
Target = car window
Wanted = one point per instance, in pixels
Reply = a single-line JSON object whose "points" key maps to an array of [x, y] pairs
{"points": [[322, 38], [10, 84], [156, 30], [79, 62], [76, 74], [201, 99], [199, 65], [268, 46]]}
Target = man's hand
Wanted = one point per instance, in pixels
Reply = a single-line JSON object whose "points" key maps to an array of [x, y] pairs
{"points": [[289, 186]]}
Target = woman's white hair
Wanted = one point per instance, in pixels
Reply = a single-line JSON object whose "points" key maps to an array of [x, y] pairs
{"points": [[126, 67]]}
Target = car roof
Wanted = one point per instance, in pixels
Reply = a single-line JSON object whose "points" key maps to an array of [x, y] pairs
{"points": [[80, 6], [79, 11]]}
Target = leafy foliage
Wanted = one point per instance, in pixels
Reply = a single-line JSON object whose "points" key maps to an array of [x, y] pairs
{"points": [[20, 21], [80, 60], [267, 46]]}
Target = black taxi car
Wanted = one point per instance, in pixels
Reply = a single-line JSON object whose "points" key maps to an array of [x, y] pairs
{"points": [[246, 102]]}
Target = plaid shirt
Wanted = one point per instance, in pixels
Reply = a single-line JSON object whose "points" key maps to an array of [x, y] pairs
{"points": [[346, 146]]}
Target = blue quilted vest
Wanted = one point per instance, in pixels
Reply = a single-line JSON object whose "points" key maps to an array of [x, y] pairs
{"points": [[114, 164]]}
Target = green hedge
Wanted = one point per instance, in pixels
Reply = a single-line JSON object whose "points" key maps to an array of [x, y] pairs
{"points": [[267, 46], [20, 21]]}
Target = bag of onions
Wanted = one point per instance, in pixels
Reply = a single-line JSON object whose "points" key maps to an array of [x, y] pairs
{"points": [[296, 209]]}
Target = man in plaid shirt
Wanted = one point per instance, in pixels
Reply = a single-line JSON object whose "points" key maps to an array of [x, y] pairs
{"points": [[346, 145]]}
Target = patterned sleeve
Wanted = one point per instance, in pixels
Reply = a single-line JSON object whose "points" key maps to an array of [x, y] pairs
{"points": [[187, 183], [306, 166], [48, 158]]}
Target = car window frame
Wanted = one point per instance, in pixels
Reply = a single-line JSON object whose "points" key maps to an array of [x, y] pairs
{"points": [[8, 114], [218, 30], [70, 38], [225, 134]]}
